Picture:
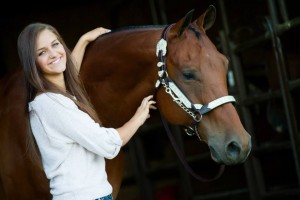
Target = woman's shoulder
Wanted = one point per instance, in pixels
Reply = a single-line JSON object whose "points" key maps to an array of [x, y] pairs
{"points": [[50, 99], [46, 96]]}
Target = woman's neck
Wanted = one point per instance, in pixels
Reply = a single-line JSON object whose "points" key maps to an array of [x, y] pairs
{"points": [[57, 80]]}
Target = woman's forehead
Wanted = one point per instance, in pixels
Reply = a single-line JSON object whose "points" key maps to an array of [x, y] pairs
{"points": [[45, 38]]}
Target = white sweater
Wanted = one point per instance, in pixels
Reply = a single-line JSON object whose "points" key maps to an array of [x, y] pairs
{"points": [[73, 148]]}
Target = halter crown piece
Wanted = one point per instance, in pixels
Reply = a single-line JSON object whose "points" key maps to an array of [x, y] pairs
{"points": [[194, 110]]}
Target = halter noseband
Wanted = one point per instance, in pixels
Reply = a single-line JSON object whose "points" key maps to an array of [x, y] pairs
{"points": [[196, 111]]}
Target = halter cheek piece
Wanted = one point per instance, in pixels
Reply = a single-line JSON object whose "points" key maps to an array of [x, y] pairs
{"points": [[196, 111]]}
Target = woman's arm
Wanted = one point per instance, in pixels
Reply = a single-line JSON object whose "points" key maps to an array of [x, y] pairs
{"points": [[140, 116], [84, 40]]}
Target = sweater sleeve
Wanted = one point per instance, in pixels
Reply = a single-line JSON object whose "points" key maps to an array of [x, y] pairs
{"points": [[65, 122]]}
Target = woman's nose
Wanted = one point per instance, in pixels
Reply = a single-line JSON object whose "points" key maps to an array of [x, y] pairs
{"points": [[52, 53]]}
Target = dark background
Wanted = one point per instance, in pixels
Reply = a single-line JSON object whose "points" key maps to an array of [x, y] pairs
{"points": [[272, 170]]}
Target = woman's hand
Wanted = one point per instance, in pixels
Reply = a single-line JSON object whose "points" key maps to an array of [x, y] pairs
{"points": [[143, 111], [138, 119], [93, 34]]}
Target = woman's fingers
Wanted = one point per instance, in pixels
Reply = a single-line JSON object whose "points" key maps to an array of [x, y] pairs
{"points": [[147, 101], [153, 107]]}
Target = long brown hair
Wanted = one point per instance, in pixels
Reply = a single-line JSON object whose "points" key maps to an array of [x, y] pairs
{"points": [[37, 83]]}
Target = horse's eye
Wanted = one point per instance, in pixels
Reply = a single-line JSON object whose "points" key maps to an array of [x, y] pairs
{"points": [[188, 76]]}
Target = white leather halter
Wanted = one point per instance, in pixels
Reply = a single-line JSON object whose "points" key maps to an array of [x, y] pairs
{"points": [[194, 110]]}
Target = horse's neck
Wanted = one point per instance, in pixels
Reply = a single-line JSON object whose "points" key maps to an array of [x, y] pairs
{"points": [[123, 55], [118, 70], [139, 45]]}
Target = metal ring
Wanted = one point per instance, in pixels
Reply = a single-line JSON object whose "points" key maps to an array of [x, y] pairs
{"points": [[198, 119]]}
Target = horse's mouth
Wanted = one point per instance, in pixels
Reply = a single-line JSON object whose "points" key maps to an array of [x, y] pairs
{"points": [[214, 155]]}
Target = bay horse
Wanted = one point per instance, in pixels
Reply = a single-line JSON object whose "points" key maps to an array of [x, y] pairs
{"points": [[178, 63]]}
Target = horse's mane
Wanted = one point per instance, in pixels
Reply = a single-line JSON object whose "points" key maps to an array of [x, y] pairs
{"points": [[149, 27], [137, 27], [126, 28]]}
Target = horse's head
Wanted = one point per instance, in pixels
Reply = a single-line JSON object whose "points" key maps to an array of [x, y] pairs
{"points": [[192, 88]]}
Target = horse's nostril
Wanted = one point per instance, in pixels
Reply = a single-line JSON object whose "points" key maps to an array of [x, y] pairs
{"points": [[233, 150]]}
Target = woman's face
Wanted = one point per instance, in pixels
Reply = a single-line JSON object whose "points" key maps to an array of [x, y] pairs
{"points": [[50, 55]]}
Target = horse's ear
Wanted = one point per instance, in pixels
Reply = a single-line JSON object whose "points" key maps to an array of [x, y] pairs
{"points": [[207, 19], [182, 24]]}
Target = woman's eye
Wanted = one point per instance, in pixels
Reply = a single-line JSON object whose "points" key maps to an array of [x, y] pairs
{"points": [[56, 44], [188, 76], [41, 53]]}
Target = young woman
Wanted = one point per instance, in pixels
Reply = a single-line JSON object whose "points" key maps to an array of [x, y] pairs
{"points": [[71, 141]]}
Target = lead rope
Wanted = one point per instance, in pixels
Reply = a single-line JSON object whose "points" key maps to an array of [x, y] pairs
{"points": [[172, 139], [182, 157]]}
